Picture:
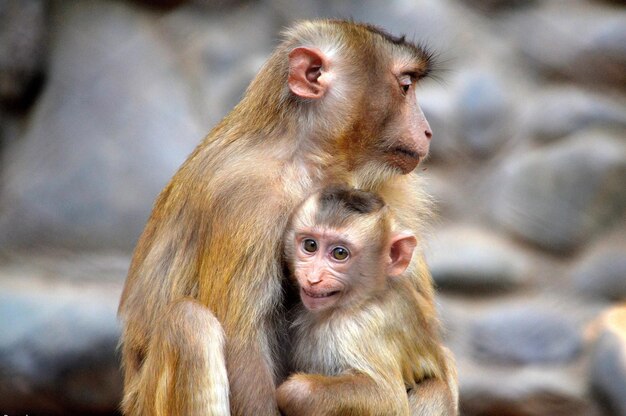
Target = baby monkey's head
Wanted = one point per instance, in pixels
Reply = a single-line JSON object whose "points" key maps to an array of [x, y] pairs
{"points": [[342, 246]]}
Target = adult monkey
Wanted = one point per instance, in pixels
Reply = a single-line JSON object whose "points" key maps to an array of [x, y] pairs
{"points": [[201, 308]]}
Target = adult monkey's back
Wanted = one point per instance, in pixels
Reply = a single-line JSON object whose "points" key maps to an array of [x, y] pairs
{"points": [[202, 303]]}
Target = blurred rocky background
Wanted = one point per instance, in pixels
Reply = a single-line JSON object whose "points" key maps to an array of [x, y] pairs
{"points": [[101, 101]]}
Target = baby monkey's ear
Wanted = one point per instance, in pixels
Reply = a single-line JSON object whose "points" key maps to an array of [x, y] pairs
{"points": [[400, 252]]}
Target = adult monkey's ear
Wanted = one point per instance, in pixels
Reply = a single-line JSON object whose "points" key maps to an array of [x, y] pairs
{"points": [[400, 253], [306, 73]]}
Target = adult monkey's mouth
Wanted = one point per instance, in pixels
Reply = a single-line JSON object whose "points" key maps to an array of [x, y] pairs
{"points": [[406, 152]]}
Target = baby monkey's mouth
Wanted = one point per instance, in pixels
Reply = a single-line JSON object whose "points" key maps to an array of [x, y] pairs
{"points": [[319, 294]]}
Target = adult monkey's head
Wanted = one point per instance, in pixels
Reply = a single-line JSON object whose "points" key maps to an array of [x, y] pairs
{"points": [[348, 89]]}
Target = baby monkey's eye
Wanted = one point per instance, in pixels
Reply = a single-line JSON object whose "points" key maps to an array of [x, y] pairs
{"points": [[309, 245], [340, 253]]}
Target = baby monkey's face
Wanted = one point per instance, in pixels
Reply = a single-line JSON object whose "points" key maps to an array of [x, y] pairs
{"points": [[332, 269], [342, 247]]}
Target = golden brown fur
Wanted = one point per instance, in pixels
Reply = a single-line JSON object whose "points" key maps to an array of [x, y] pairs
{"points": [[213, 241], [371, 341], [383, 343]]}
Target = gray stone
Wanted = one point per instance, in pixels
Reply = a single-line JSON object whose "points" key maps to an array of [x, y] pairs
{"points": [[472, 260], [498, 5], [484, 114], [220, 53], [585, 43], [608, 371], [58, 344], [524, 335], [212, 5], [422, 20], [113, 125], [608, 360], [23, 28], [559, 112], [602, 274], [439, 109], [530, 392], [561, 196]]}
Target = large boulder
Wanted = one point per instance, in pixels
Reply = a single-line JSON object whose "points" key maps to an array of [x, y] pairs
{"points": [[120, 113], [563, 195], [484, 113], [23, 31], [498, 5], [524, 335], [471, 260], [531, 392], [586, 43], [608, 362], [558, 112], [59, 334], [602, 273]]}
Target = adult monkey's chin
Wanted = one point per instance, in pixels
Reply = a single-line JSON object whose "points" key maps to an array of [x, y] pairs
{"points": [[404, 159]]}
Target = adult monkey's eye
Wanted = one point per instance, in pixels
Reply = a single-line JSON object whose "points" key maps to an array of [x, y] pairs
{"points": [[405, 83], [309, 245], [340, 253]]}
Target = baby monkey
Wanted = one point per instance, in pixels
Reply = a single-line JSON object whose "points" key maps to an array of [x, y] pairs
{"points": [[359, 338]]}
